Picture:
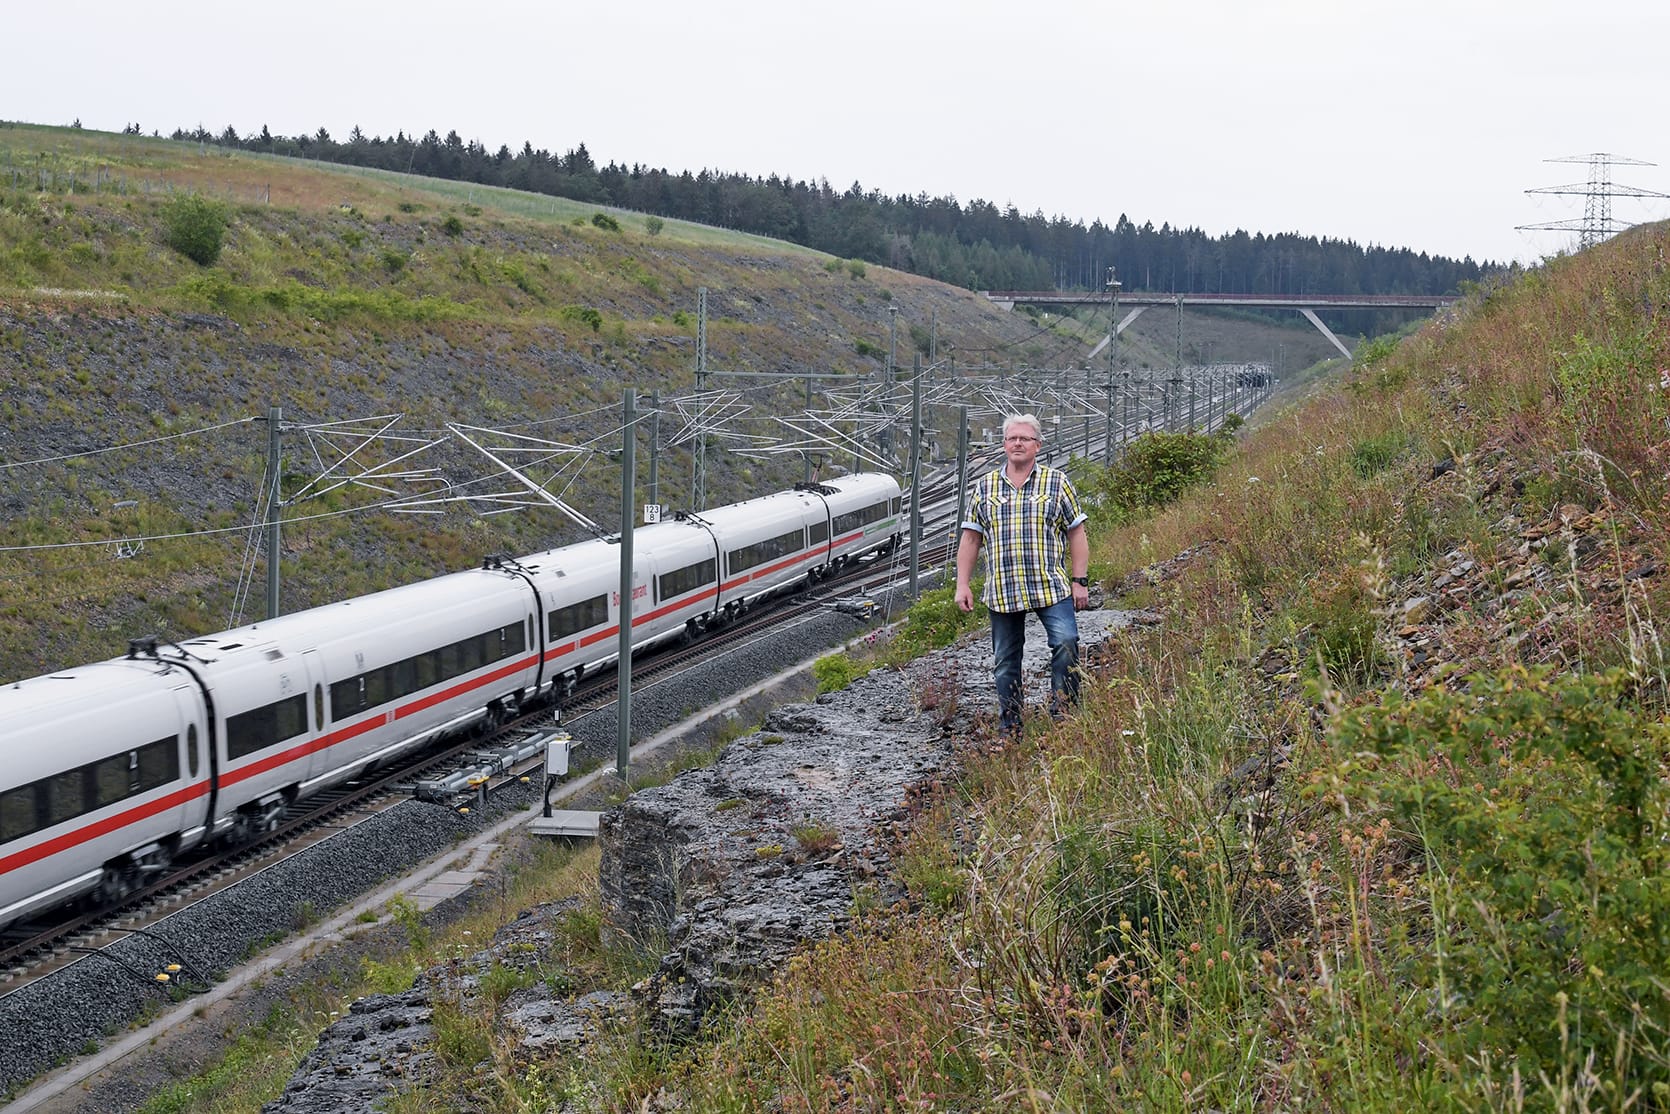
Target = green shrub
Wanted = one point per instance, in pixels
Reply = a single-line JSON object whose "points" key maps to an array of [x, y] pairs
{"points": [[498, 982], [1541, 803], [1110, 885], [214, 290], [1340, 607], [933, 621], [1373, 455], [605, 222], [1593, 375], [865, 348], [196, 227], [585, 314], [855, 268], [1374, 351], [452, 226], [654, 225], [836, 671], [1155, 469], [815, 837]]}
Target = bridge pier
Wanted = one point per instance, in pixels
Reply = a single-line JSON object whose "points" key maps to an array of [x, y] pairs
{"points": [[1117, 331], [1306, 304], [1310, 315]]}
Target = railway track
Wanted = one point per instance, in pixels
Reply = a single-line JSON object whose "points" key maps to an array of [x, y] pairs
{"points": [[35, 950]]}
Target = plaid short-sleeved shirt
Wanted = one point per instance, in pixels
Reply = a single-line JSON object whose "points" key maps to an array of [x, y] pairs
{"points": [[1025, 532]]}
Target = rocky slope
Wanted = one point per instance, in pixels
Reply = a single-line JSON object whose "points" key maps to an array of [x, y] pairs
{"points": [[728, 869]]}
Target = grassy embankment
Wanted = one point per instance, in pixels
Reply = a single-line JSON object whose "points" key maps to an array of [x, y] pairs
{"points": [[339, 294], [1281, 861], [1266, 868], [1263, 870]]}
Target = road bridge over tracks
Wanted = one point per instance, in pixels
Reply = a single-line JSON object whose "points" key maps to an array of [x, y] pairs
{"points": [[1306, 304]]}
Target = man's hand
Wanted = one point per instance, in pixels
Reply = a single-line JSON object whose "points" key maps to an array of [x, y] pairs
{"points": [[965, 597], [1081, 597]]}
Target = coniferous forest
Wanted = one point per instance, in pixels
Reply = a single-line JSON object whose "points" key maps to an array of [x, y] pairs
{"points": [[977, 244]]}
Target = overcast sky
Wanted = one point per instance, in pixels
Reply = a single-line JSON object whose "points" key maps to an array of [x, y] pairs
{"points": [[1415, 124]]}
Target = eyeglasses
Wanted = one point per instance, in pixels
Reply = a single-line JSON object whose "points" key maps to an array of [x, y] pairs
{"points": [[1019, 438]]}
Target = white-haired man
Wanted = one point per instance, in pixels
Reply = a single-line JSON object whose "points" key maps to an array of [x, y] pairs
{"points": [[1027, 517]]}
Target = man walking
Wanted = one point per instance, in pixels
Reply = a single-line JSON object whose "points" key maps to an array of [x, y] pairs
{"points": [[1027, 516]]}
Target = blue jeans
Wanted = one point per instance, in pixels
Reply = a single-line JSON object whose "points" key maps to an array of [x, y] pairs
{"points": [[1009, 640]]}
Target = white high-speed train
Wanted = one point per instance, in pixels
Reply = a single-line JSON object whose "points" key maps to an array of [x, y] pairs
{"points": [[110, 771]]}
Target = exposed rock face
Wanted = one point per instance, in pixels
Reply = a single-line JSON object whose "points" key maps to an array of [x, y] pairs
{"points": [[381, 1047], [727, 870], [736, 865]]}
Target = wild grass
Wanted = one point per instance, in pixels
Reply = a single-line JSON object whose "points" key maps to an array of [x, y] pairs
{"points": [[1255, 873], [258, 1064], [337, 295], [1262, 869]]}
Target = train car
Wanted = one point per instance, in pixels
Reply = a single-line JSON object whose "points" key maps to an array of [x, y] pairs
{"points": [[107, 780], [113, 769], [313, 698], [864, 515], [679, 561], [766, 544], [578, 592]]}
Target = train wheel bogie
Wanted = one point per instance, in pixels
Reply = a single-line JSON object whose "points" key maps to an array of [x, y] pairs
{"points": [[258, 818], [126, 875], [120, 879]]}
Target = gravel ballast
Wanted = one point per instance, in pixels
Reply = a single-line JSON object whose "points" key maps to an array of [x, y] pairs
{"points": [[75, 1010]]}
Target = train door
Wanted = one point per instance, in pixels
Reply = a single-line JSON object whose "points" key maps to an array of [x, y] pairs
{"points": [[196, 763], [313, 673]]}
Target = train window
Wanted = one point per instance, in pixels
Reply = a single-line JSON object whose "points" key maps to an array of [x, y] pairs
{"points": [[688, 579], [751, 556], [191, 748], [513, 640], [449, 662], [318, 718], [347, 697], [898, 502], [576, 617], [66, 796], [469, 654], [96, 785], [428, 668], [290, 717], [110, 779], [852, 520], [266, 726], [156, 765], [529, 635], [17, 812], [376, 687], [404, 677], [820, 532]]}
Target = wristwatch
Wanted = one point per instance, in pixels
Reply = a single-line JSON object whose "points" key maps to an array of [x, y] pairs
{"points": [[1084, 581]]}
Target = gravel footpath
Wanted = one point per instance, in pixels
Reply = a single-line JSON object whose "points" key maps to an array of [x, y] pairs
{"points": [[71, 1012]]}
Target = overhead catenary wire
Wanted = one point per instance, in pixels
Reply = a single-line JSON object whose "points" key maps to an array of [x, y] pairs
{"points": [[395, 503], [61, 457], [713, 410], [246, 564]]}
